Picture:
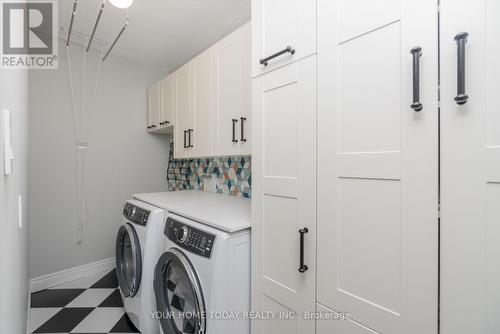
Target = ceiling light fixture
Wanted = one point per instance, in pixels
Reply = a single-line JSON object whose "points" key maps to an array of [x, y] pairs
{"points": [[123, 4]]}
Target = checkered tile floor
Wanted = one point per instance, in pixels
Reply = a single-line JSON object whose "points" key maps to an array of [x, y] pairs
{"points": [[88, 305]]}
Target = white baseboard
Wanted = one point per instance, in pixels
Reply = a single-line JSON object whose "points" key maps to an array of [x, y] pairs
{"points": [[71, 274]]}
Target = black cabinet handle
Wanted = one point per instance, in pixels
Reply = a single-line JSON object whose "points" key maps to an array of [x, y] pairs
{"points": [[243, 139], [185, 140], [461, 40], [189, 138], [163, 123], [417, 53], [303, 268], [266, 60], [234, 130]]}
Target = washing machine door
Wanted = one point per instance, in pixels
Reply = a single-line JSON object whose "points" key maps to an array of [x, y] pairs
{"points": [[128, 260], [179, 297]]}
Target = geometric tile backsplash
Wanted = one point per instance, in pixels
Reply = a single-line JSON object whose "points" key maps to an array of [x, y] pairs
{"points": [[227, 175]]}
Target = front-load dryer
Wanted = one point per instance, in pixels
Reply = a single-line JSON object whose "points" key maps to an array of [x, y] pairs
{"points": [[138, 246], [202, 279]]}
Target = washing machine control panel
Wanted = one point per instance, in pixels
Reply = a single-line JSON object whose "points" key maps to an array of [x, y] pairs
{"points": [[135, 214], [190, 238]]}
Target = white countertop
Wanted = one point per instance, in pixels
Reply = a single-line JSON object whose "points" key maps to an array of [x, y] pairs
{"points": [[225, 212]]}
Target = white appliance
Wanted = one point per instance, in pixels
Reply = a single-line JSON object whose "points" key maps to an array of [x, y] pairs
{"points": [[203, 274], [138, 246]]}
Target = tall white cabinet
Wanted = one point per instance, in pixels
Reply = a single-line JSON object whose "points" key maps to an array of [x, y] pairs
{"points": [[470, 169], [387, 150], [377, 166], [284, 163]]}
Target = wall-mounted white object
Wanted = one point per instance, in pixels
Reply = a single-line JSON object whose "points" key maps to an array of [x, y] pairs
{"points": [[7, 142]]}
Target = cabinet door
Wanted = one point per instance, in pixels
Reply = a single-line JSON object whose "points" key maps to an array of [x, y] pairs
{"points": [[280, 23], [168, 101], [154, 106], [203, 105], [470, 170], [184, 111], [284, 195], [232, 78], [378, 166]]}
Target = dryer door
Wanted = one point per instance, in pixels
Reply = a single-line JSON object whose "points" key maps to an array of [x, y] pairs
{"points": [[179, 296], [128, 260]]}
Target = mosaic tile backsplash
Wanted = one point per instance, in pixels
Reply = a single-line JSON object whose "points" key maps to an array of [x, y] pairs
{"points": [[227, 175]]}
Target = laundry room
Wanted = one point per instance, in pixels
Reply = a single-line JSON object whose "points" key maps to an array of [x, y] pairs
{"points": [[249, 166]]}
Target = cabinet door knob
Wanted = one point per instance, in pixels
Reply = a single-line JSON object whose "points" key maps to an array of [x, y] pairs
{"points": [[234, 121]]}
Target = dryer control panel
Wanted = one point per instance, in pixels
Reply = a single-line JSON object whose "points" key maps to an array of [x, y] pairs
{"points": [[135, 214], [190, 238]]}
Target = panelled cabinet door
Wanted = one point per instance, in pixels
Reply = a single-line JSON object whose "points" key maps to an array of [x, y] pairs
{"points": [[278, 24], [202, 105], [284, 195], [232, 91], [168, 101], [154, 106], [184, 117], [378, 166], [470, 167]]}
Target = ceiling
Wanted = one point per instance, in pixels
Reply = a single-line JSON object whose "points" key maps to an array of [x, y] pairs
{"points": [[163, 33]]}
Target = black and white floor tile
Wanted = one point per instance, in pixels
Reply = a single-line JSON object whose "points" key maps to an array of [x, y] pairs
{"points": [[88, 305]]}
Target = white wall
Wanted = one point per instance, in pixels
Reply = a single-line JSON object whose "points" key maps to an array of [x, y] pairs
{"points": [[122, 159], [14, 240]]}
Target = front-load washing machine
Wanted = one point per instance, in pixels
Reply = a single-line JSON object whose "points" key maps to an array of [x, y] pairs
{"points": [[202, 279], [138, 247]]}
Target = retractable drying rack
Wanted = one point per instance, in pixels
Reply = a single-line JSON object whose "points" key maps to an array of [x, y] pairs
{"points": [[79, 112], [99, 15]]}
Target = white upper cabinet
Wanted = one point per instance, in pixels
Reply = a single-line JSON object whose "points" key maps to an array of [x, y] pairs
{"points": [[232, 93], [184, 127], [207, 101], [168, 102], [154, 107], [277, 25], [203, 134]]}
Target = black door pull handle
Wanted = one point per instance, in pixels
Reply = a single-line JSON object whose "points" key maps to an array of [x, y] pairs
{"points": [[288, 49], [243, 139], [234, 121], [461, 40], [417, 53], [190, 131], [302, 268]]}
